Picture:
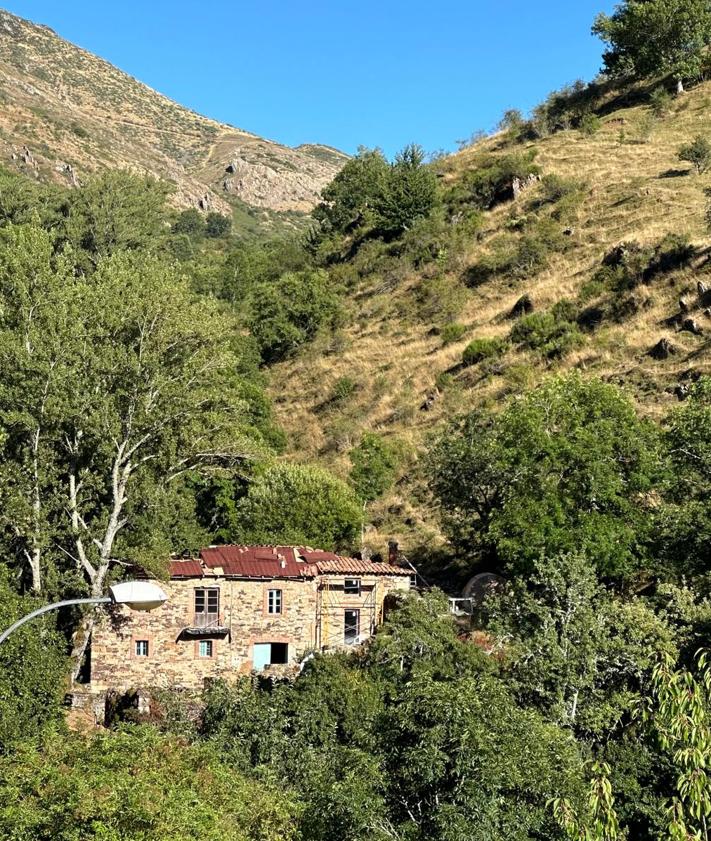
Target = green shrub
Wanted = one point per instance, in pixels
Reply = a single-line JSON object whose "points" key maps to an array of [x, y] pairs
{"points": [[344, 387], [190, 222], [546, 332], [285, 314], [590, 124], [480, 349], [697, 153], [491, 181], [444, 380], [660, 102], [299, 504], [217, 225], [452, 333], [440, 299], [375, 463]]}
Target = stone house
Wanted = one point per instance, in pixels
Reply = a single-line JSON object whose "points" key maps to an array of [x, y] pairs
{"points": [[237, 609]]}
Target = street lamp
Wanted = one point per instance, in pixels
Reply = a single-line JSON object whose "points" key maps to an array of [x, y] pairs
{"points": [[138, 595]]}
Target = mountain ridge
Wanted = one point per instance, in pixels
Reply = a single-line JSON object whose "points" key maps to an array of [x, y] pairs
{"points": [[59, 122]]}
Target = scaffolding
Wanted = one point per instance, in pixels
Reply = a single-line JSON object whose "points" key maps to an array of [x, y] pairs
{"points": [[331, 604]]}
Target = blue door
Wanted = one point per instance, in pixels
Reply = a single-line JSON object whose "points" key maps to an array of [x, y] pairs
{"points": [[262, 655]]}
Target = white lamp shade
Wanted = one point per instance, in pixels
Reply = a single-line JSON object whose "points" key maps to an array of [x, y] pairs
{"points": [[138, 595]]}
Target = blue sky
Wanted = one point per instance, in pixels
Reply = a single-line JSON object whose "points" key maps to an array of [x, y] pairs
{"points": [[342, 73]]}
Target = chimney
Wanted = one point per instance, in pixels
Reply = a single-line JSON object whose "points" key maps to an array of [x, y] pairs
{"points": [[393, 551], [365, 553], [282, 563]]}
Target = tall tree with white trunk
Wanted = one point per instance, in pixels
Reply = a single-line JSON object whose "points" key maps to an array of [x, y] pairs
{"points": [[130, 382]]}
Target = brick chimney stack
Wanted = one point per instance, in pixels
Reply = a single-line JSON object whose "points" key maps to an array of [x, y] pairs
{"points": [[393, 552]]}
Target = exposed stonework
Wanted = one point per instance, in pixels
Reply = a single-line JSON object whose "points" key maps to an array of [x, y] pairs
{"points": [[313, 617]]}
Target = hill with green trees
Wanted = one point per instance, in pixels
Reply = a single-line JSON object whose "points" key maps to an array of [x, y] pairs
{"points": [[500, 357]]}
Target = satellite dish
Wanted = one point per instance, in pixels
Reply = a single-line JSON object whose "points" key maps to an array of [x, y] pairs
{"points": [[480, 586]]}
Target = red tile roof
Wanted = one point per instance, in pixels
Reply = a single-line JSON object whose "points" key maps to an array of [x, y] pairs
{"points": [[276, 562], [353, 566]]}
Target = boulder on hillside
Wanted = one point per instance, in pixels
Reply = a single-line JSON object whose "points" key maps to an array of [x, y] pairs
{"points": [[663, 349], [523, 306], [704, 292], [690, 325]]}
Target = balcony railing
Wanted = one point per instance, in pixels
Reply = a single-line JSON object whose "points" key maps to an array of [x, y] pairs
{"points": [[206, 620]]}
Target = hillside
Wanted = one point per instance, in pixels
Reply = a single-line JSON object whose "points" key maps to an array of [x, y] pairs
{"points": [[66, 113], [405, 381]]}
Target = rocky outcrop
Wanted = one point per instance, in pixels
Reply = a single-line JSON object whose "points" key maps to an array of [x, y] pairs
{"points": [[77, 108], [663, 349]]}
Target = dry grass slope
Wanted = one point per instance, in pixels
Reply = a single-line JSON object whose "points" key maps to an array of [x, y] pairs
{"points": [[635, 190]]}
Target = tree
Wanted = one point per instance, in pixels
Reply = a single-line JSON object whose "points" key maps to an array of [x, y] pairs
{"points": [[129, 384], [295, 503], [677, 712], [654, 37], [349, 199], [511, 120], [190, 222], [374, 463], [73, 787], [575, 653], [684, 521], [115, 211], [698, 153], [287, 313], [32, 671], [599, 822], [409, 192], [564, 468], [217, 225]]}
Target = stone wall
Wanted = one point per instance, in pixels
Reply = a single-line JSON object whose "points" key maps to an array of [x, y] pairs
{"points": [[311, 618]]}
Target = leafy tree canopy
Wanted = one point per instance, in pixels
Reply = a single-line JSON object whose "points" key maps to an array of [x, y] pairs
{"points": [[286, 314], [134, 786], [295, 503], [374, 461], [654, 37], [564, 468]]}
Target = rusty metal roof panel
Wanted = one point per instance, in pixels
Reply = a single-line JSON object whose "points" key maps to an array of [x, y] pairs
{"points": [[269, 562], [185, 568]]}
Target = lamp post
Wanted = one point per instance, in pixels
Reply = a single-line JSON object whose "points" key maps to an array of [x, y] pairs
{"points": [[138, 595]]}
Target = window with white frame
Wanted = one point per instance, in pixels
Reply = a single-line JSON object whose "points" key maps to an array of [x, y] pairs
{"points": [[351, 587], [205, 648], [274, 602], [141, 648]]}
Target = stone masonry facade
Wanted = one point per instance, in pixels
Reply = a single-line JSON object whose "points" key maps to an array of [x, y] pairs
{"points": [[238, 609]]}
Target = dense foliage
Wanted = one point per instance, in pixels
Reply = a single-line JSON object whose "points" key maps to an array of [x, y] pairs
{"points": [[136, 344], [564, 468]]}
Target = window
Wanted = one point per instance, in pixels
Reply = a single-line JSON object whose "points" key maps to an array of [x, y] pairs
{"points": [[207, 600], [207, 607], [351, 587], [141, 648], [351, 626], [273, 601], [268, 654], [205, 648]]}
